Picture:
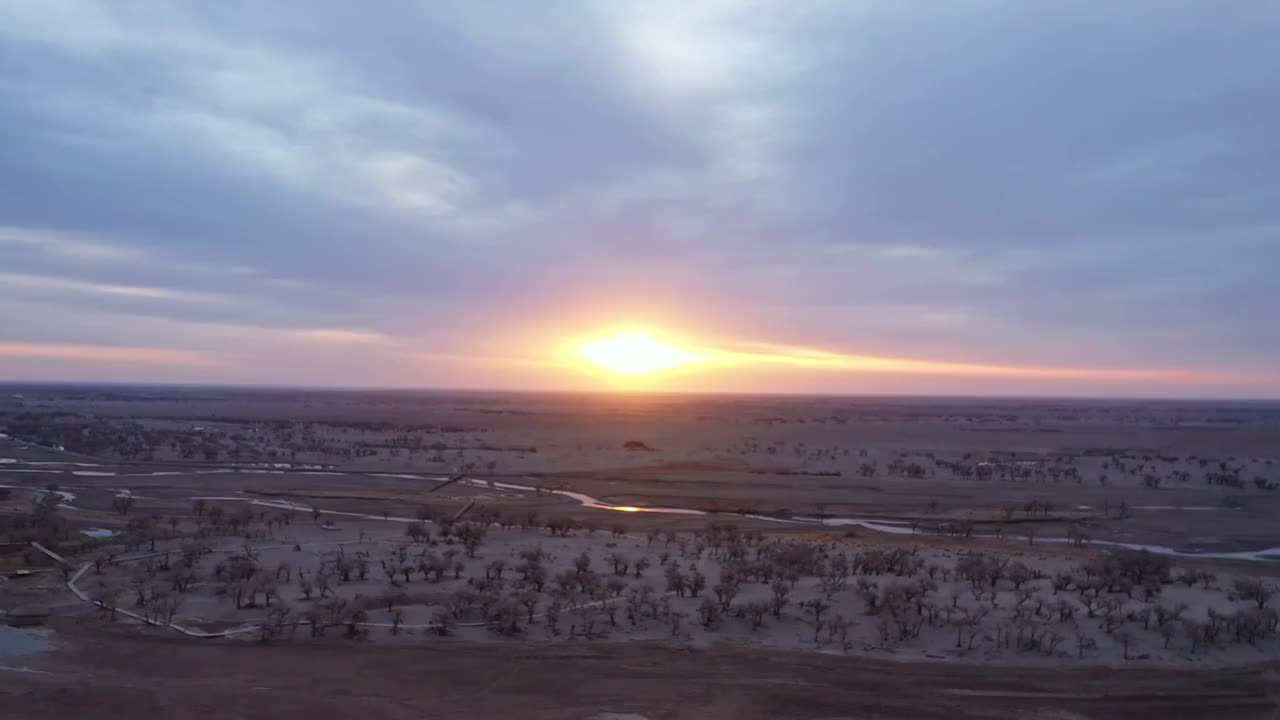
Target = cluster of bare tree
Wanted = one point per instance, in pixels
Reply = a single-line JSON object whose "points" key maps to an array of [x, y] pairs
{"points": [[244, 439], [157, 582], [995, 600], [43, 523]]}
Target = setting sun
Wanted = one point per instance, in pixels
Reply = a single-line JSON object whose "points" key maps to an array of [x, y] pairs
{"points": [[633, 353]]}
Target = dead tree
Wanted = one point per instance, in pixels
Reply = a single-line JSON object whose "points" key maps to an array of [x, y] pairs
{"points": [[815, 609], [781, 589]]}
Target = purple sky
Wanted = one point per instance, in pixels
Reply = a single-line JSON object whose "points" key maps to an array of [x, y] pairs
{"points": [[1035, 198]]}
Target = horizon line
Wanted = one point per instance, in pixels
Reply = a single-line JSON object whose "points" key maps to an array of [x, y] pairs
{"points": [[639, 392]]}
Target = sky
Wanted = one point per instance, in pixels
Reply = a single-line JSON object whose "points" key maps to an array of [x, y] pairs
{"points": [[854, 196]]}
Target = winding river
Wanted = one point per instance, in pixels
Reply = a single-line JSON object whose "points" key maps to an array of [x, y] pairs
{"points": [[884, 526]]}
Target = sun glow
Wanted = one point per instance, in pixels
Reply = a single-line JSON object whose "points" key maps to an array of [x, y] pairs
{"points": [[640, 359], [633, 353]]}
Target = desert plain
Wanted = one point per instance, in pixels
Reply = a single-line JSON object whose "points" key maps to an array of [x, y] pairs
{"points": [[173, 550]]}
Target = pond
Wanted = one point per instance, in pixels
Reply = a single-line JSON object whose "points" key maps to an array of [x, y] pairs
{"points": [[14, 641]]}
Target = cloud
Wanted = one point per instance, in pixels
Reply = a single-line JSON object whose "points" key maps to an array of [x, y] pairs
{"points": [[846, 362], [41, 283], [414, 182], [66, 244], [996, 184], [342, 337], [145, 356]]}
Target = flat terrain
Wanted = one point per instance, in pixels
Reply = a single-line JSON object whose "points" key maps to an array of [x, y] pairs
{"points": [[111, 677], [1149, 472], [434, 554]]}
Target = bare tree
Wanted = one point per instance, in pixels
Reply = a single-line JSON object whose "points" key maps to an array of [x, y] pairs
{"points": [[552, 616], [1084, 642], [122, 503], [1254, 590], [417, 532], [697, 581], [676, 581], [273, 623], [1125, 638], [725, 591], [708, 612], [676, 618], [493, 569], [969, 626], [620, 563], [528, 599], [781, 589], [315, 617], [755, 612], [354, 621], [815, 609], [442, 623], [324, 583], [107, 597], [838, 629]]}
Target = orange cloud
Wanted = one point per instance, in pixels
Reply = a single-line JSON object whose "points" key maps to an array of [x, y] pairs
{"points": [[824, 360], [104, 353], [621, 352]]}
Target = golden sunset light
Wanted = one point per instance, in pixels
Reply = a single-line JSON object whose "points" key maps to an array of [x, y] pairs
{"points": [[633, 352], [644, 355]]}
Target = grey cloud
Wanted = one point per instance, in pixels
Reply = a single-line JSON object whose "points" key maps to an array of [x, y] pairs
{"points": [[984, 180]]}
